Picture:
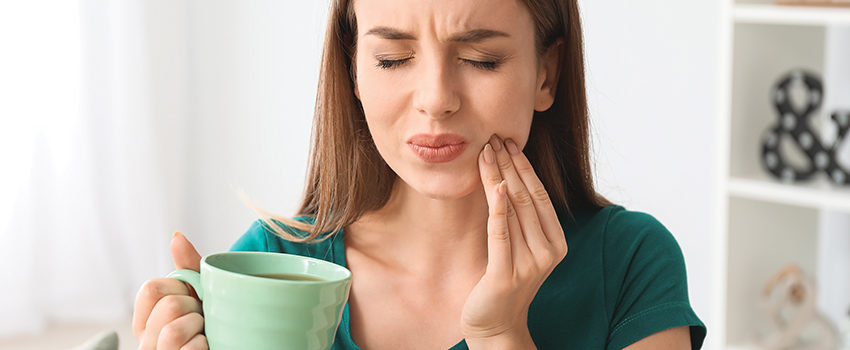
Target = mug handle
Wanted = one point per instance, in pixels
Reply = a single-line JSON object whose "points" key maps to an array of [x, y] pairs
{"points": [[191, 277]]}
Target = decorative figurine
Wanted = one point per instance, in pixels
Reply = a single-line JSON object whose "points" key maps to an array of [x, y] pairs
{"points": [[794, 124], [788, 299]]}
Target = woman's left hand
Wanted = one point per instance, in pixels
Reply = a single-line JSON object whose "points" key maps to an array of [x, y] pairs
{"points": [[525, 242]]}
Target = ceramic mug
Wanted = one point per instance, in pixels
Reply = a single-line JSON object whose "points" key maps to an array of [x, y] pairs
{"points": [[244, 308]]}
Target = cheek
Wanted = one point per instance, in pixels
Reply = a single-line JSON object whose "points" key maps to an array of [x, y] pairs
{"points": [[382, 102], [384, 109], [506, 106]]}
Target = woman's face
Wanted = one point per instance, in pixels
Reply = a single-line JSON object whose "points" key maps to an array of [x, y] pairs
{"points": [[437, 78]]}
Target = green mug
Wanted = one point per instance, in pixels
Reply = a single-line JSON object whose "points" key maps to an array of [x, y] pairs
{"points": [[260, 300]]}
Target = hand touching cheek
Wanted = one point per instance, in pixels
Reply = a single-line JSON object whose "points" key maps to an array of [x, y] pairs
{"points": [[525, 243]]}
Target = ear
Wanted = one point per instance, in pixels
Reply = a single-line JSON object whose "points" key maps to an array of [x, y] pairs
{"points": [[548, 72], [353, 74], [356, 89]]}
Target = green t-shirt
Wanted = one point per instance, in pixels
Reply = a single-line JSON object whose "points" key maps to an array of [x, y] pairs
{"points": [[622, 280]]}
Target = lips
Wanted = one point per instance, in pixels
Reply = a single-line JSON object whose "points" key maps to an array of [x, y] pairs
{"points": [[437, 148], [436, 140]]}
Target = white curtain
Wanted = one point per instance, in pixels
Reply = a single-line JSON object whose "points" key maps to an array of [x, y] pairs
{"points": [[90, 156]]}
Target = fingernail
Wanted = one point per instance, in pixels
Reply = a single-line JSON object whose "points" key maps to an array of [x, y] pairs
{"points": [[496, 143], [511, 146], [488, 154], [175, 234]]}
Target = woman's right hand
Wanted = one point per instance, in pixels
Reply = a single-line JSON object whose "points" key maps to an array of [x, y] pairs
{"points": [[167, 314]]}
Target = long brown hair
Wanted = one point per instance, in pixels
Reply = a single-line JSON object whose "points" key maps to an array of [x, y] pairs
{"points": [[347, 176]]}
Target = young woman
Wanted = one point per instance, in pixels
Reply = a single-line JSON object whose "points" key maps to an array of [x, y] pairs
{"points": [[450, 173]]}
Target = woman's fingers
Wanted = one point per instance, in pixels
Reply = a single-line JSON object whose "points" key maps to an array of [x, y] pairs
{"points": [[520, 251], [149, 295], [166, 310], [499, 246], [179, 332], [162, 303], [199, 342], [522, 201], [184, 254], [499, 249], [547, 218]]}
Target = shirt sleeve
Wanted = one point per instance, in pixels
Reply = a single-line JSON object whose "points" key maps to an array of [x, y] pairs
{"points": [[260, 237], [647, 289], [255, 239]]}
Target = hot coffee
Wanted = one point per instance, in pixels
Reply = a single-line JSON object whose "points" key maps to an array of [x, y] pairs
{"points": [[289, 277]]}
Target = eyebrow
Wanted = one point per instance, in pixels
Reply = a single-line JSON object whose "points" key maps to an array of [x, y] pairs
{"points": [[472, 36]]}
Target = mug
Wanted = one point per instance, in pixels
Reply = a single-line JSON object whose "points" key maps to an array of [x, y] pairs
{"points": [[248, 306]]}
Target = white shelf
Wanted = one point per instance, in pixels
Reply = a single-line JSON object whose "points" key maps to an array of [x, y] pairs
{"points": [[741, 347], [763, 223], [794, 15], [818, 195]]}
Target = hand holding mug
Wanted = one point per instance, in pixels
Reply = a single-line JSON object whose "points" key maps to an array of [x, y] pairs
{"points": [[250, 300], [268, 301], [167, 315]]}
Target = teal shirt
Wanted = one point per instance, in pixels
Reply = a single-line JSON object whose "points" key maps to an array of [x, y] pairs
{"points": [[622, 280]]}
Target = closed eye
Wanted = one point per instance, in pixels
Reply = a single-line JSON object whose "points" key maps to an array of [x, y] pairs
{"points": [[485, 65], [389, 64]]}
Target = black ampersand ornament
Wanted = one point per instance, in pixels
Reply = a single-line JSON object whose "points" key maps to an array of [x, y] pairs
{"points": [[795, 124]]}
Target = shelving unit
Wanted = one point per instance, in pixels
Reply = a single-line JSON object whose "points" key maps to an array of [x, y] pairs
{"points": [[789, 15], [818, 195], [764, 224]]}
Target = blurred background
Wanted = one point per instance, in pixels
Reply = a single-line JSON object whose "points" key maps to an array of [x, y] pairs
{"points": [[124, 121]]}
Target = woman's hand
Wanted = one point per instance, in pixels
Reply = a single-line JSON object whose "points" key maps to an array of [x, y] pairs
{"points": [[167, 314], [525, 242]]}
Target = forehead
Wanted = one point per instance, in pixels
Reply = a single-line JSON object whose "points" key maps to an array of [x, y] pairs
{"points": [[444, 17]]}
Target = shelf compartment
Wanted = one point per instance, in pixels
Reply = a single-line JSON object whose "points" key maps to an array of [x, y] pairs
{"points": [[791, 15], [763, 238], [763, 53], [815, 194]]}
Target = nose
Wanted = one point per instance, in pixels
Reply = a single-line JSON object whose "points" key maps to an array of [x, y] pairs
{"points": [[436, 94]]}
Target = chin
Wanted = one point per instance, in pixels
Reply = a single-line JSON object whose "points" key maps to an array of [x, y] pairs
{"points": [[443, 186]]}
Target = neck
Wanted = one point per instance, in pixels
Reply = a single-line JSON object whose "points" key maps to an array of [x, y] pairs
{"points": [[430, 236]]}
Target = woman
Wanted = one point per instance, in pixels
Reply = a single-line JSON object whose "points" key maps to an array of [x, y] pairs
{"points": [[449, 172]]}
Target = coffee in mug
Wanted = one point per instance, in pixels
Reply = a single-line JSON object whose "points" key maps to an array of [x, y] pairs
{"points": [[289, 277]]}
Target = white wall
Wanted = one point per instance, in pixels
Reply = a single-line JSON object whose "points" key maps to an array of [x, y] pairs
{"points": [[651, 81], [252, 82], [651, 75]]}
